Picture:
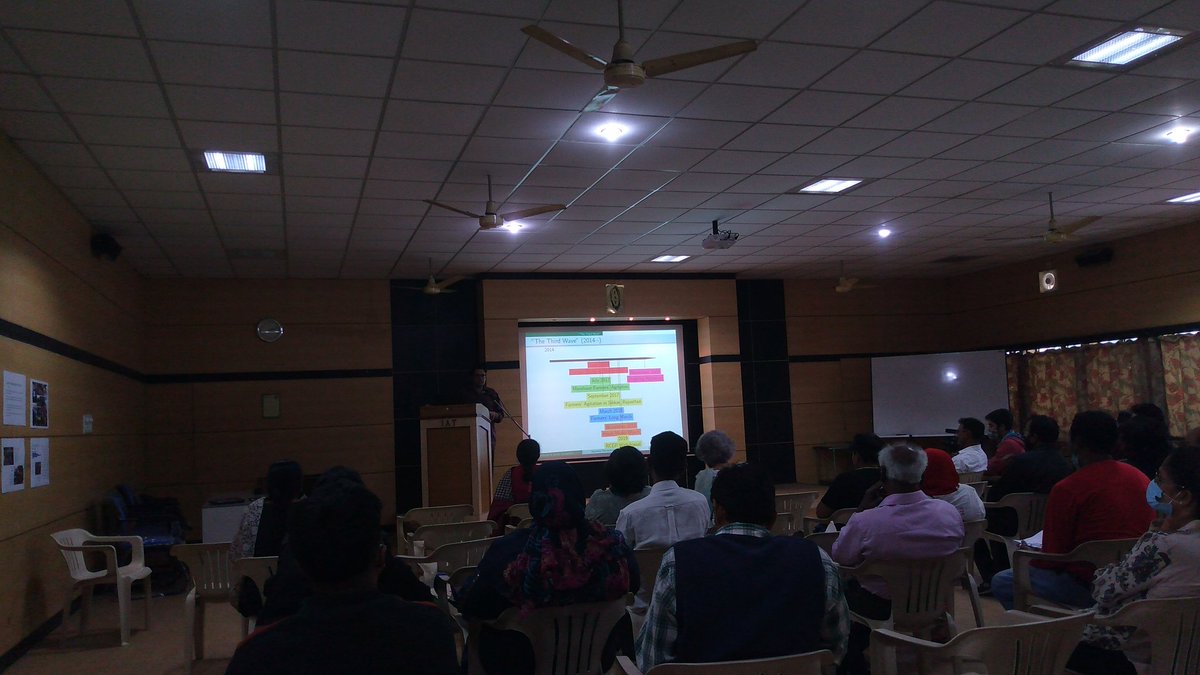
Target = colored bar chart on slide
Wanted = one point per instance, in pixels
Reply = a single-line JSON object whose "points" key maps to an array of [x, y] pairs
{"points": [[591, 391]]}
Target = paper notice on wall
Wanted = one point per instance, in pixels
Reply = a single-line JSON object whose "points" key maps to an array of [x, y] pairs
{"points": [[39, 462], [14, 399], [39, 404], [12, 477]]}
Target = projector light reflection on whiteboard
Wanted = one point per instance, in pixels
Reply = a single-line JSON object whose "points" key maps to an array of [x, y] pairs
{"points": [[587, 391]]}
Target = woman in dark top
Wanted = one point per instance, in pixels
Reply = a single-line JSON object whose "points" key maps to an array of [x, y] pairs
{"points": [[1143, 442], [563, 559], [847, 490]]}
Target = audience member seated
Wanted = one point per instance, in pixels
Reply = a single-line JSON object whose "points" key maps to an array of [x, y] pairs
{"points": [[516, 483], [669, 513], [741, 593], [941, 482], [1149, 410], [898, 522], [1192, 440], [1143, 442], [1036, 470], [1009, 443], [847, 489], [625, 472], [1103, 499], [347, 626], [265, 521], [563, 559], [971, 457], [715, 449], [285, 592], [1165, 563]]}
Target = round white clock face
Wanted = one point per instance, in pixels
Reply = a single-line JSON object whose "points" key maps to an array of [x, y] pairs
{"points": [[269, 330]]}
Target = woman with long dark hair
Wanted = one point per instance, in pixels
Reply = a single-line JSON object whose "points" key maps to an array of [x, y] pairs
{"points": [[516, 484], [264, 523]]}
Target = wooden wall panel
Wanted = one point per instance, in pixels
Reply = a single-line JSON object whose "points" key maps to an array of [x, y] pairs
{"points": [[235, 348], [584, 298], [52, 285]]}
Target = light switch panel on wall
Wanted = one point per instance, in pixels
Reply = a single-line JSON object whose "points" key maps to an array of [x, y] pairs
{"points": [[87, 424], [270, 405]]}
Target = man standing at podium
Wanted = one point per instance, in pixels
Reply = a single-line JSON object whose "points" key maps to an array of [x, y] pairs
{"points": [[484, 395]]}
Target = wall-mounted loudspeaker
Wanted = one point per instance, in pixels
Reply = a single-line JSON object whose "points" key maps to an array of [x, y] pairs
{"points": [[1101, 256], [1047, 280], [104, 246]]}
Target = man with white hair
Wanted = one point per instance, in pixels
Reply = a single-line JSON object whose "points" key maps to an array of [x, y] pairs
{"points": [[896, 521]]}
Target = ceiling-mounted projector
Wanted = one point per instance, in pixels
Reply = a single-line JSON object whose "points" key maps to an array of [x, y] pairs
{"points": [[720, 238]]}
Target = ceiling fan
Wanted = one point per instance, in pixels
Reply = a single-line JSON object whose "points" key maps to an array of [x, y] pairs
{"points": [[846, 284], [435, 287], [490, 220], [621, 71], [1054, 234]]}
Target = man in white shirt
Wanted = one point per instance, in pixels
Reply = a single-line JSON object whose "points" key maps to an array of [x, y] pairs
{"points": [[669, 513], [971, 457]]}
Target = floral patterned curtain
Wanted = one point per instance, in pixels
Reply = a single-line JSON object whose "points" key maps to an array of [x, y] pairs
{"points": [[1181, 376], [1051, 386], [1114, 377]]}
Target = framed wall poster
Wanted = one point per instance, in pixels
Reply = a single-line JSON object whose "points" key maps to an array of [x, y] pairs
{"points": [[39, 404], [12, 464], [14, 399]]}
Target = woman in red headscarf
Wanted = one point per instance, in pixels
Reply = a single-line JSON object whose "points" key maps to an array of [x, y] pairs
{"points": [[941, 482]]}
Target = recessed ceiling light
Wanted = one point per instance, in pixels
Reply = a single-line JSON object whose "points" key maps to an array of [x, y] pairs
{"points": [[235, 162], [671, 258], [1127, 46], [1178, 134], [884, 233], [513, 227], [831, 185], [611, 132], [1186, 199]]}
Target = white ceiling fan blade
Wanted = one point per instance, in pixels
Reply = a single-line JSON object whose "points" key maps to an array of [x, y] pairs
{"points": [[451, 208], [601, 99], [670, 64], [533, 211], [448, 282], [1078, 225], [1025, 238], [554, 42]]}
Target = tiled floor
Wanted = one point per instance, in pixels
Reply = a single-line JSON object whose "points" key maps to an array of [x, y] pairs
{"points": [[159, 651]]}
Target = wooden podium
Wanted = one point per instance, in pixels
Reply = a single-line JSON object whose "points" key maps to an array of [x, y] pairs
{"points": [[456, 456]]}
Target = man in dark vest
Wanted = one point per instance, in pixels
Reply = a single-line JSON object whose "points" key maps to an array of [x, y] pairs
{"points": [[742, 593]]}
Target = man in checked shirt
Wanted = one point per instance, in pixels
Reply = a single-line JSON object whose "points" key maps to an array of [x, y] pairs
{"points": [[742, 593]]}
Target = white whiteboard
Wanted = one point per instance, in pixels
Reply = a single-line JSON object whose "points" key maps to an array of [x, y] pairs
{"points": [[926, 394]]}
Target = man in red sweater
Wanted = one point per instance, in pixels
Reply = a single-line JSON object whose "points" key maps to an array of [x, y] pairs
{"points": [[1009, 443], [1103, 499]]}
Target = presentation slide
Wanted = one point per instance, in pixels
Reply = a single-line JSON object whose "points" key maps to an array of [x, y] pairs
{"points": [[588, 391]]}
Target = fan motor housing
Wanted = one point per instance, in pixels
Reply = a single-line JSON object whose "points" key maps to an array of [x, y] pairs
{"points": [[624, 75], [490, 221]]}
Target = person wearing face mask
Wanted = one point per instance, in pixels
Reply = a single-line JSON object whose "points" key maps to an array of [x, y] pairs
{"points": [[1103, 499], [1164, 563]]}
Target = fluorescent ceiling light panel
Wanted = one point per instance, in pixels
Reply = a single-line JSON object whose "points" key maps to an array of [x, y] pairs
{"points": [[1178, 134], [671, 258], [831, 185], [514, 227], [235, 162], [884, 233], [1129, 46], [611, 132], [1186, 199]]}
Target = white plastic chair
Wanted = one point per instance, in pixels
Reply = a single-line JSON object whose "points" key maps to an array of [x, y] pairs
{"points": [[436, 536], [73, 544], [1031, 512], [1024, 644], [430, 515], [797, 505], [922, 593], [970, 477], [824, 540], [1173, 626], [1099, 553], [811, 663], [451, 557], [972, 532], [212, 579], [566, 640], [259, 569]]}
